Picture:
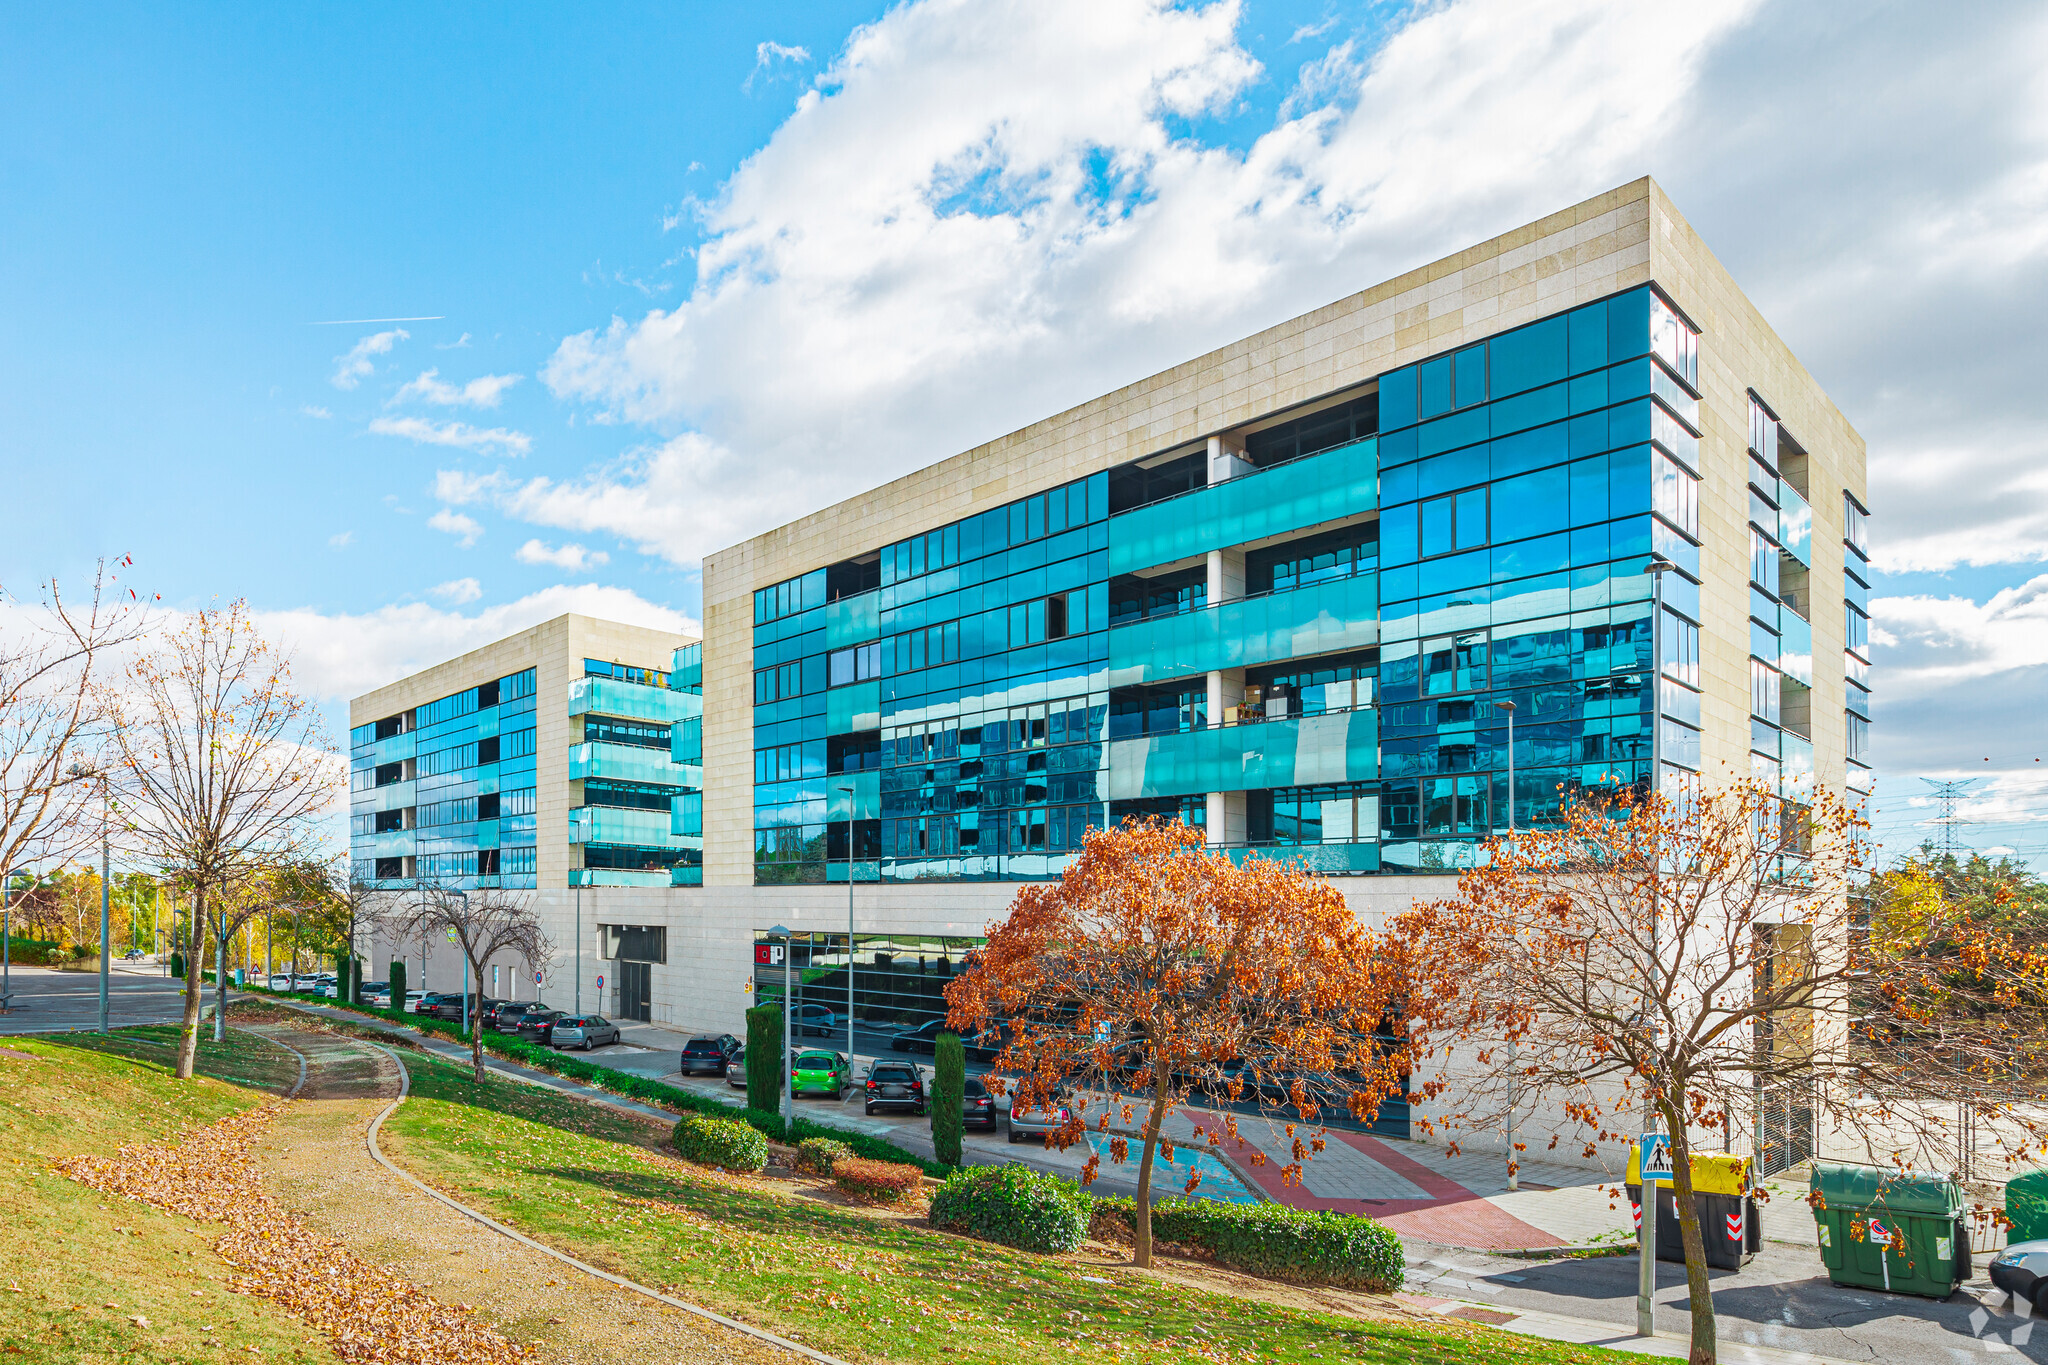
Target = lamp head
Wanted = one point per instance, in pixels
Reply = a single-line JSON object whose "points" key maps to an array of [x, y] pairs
{"points": [[1507, 706], [1659, 564], [779, 930]]}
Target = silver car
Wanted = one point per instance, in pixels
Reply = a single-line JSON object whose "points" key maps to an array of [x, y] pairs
{"points": [[2021, 1270], [1035, 1121], [583, 1030]]}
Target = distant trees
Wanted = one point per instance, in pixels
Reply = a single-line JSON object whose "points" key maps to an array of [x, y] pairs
{"points": [[1678, 959], [224, 764], [1154, 970], [484, 924]]}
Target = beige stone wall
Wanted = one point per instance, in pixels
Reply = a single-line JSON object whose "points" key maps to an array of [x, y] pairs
{"points": [[555, 650]]}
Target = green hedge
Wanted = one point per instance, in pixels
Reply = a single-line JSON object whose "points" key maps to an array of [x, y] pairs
{"points": [[949, 1080], [1015, 1206], [725, 1143], [37, 952], [1298, 1245], [820, 1155], [632, 1087]]}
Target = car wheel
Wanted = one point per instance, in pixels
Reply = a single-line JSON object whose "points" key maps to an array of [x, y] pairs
{"points": [[871, 1111], [2039, 1294], [1015, 1136]]}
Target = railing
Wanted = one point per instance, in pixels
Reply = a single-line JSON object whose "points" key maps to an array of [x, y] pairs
{"points": [[1322, 618], [635, 701], [1343, 747], [632, 763], [1330, 484]]}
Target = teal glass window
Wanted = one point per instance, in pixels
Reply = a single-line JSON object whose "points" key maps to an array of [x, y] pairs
{"points": [[1436, 395]]}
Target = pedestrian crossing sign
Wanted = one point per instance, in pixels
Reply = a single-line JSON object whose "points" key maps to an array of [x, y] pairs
{"points": [[1655, 1161]]}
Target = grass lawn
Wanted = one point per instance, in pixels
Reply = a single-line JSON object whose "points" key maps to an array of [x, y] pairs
{"points": [[856, 1286], [84, 1266]]}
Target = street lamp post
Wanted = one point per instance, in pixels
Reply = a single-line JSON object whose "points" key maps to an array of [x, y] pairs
{"points": [[1646, 1232], [788, 952], [579, 946], [1514, 1167], [463, 896], [850, 864]]}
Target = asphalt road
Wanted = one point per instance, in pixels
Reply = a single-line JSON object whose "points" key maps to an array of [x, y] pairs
{"points": [[44, 1000], [1782, 1299]]}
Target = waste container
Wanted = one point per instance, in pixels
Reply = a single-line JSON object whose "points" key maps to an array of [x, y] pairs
{"points": [[2026, 1204], [1884, 1229], [1729, 1228]]}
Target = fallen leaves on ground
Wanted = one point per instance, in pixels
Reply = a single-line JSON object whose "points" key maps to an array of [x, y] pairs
{"points": [[366, 1313]]}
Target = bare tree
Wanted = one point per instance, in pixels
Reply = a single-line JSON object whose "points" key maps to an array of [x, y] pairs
{"points": [[484, 924], [1674, 961], [53, 655], [225, 764]]}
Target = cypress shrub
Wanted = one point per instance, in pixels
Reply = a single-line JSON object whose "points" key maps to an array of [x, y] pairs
{"points": [[355, 981], [948, 1090], [764, 1061], [398, 987], [725, 1143], [178, 965]]}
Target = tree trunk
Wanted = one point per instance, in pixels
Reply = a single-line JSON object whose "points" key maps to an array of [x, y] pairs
{"points": [[476, 1029], [220, 980], [1141, 1221], [1699, 1293], [195, 943]]}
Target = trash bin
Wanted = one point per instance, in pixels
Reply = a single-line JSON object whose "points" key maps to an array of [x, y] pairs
{"points": [[1729, 1228], [2026, 1204], [1883, 1229]]}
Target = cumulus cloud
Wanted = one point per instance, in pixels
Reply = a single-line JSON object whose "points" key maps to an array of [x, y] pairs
{"points": [[465, 529], [316, 412], [769, 57], [573, 558], [485, 391], [341, 655], [461, 435], [1959, 682], [357, 364], [457, 590]]}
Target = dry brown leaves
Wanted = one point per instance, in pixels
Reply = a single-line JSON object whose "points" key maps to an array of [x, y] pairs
{"points": [[366, 1313]]}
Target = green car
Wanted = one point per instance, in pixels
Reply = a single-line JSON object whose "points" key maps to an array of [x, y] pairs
{"points": [[819, 1073]]}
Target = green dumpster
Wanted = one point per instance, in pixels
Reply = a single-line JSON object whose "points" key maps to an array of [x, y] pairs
{"points": [[2026, 1204], [1882, 1229]]}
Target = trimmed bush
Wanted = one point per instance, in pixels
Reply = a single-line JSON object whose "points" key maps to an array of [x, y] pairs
{"points": [[725, 1143], [398, 986], [764, 1061], [1015, 1206], [178, 965], [820, 1155], [1296, 1245], [878, 1182], [949, 1079]]}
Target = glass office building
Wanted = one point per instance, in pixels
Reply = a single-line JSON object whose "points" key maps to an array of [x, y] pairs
{"points": [[1309, 634]]}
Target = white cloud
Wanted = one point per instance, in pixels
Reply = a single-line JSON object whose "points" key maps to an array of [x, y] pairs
{"points": [[986, 213], [573, 558], [460, 343], [466, 529], [341, 540], [341, 655], [356, 366], [769, 56], [315, 411], [461, 435], [1958, 683], [485, 391], [457, 590]]}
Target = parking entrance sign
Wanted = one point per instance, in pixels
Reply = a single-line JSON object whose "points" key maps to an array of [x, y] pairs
{"points": [[1656, 1157]]}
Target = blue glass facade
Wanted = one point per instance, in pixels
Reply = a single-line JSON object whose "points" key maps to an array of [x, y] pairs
{"points": [[639, 773], [445, 792], [1307, 628]]}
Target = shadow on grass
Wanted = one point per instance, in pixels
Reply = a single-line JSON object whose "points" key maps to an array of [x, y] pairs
{"points": [[437, 1079], [240, 1060]]}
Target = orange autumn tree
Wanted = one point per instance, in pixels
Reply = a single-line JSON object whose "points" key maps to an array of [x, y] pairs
{"points": [[1154, 970], [1682, 958]]}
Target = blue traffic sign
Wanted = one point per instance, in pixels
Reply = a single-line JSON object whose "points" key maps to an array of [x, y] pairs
{"points": [[1655, 1157]]}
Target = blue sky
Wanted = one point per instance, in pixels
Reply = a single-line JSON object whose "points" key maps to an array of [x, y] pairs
{"points": [[680, 273]]}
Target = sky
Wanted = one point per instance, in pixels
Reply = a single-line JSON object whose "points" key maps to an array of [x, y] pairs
{"points": [[414, 325]]}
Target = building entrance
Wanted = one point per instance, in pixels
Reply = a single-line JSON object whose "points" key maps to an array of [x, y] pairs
{"points": [[635, 991]]}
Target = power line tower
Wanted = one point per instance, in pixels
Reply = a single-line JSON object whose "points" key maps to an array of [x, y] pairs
{"points": [[1948, 794]]}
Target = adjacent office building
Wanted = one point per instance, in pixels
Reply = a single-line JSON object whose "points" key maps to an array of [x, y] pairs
{"points": [[1292, 591]]}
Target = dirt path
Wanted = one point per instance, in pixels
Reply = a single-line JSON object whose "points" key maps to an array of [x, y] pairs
{"points": [[315, 1162]]}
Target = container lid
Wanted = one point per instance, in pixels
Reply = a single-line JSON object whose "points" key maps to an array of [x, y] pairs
{"points": [[1842, 1185], [1712, 1172]]}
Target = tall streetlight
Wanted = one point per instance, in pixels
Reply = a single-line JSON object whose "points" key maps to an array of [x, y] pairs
{"points": [[850, 864], [80, 773], [579, 946], [1514, 1167], [1646, 1232], [788, 1096], [7, 937]]}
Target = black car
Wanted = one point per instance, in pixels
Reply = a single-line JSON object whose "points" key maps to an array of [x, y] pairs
{"points": [[977, 1106], [708, 1056], [494, 1010], [449, 1006], [505, 1018], [924, 1038], [896, 1084], [538, 1026]]}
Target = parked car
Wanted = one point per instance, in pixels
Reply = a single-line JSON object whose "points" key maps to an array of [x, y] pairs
{"points": [[377, 994], [816, 1020], [924, 1038], [413, 1001], [583, 1030], [132, 955], [977, 1106], [707, 1056], [2021, 1270], [443, 1005], [895, 1084], [1036, 1120], [505, 1018], [282, 981], [736, 1069], [538, 1026], [986, 1045], [322, 985], [820, 1073]]}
